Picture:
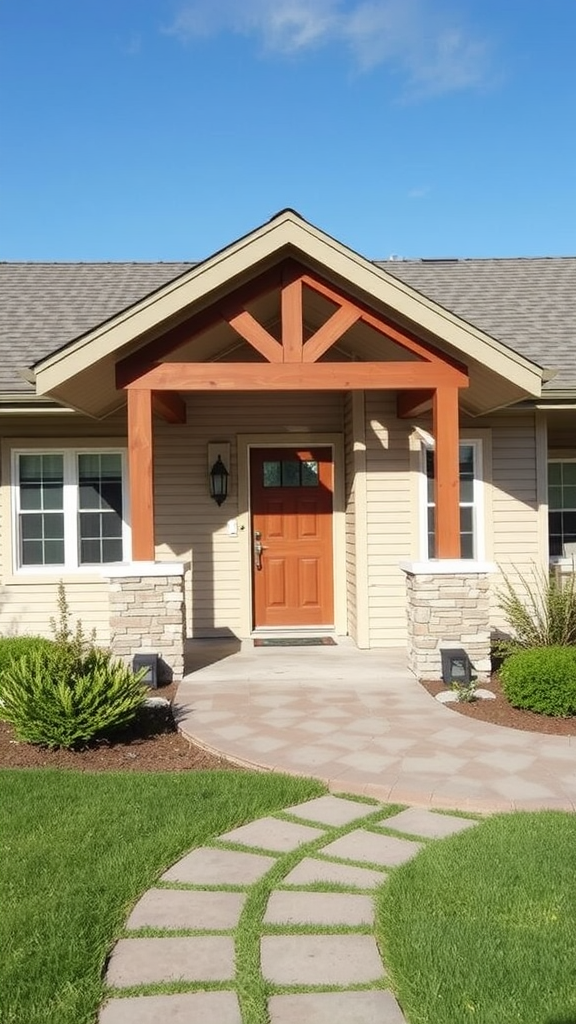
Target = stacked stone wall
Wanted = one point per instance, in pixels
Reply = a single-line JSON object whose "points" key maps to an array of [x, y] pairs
{"points": [[147, 616], [448, 611]]}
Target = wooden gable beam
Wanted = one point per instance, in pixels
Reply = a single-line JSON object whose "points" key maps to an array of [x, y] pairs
{"points": [[170, 406], [413, 403], [292, 318], [330, 332], [257, 336], [401, 335], [130, 368], [349, 376]]}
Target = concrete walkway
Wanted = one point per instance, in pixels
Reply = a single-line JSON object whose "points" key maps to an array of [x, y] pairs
{"points": [[359, 721], [316, 866]]}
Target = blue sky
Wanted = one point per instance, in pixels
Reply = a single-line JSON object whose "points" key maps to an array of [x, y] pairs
{"points": [[164, 129]]}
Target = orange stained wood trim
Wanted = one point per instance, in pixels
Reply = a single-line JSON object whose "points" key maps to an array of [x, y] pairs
{"points": [[257, 336], [220, 376], [413, 403], [447, 473], [130, 368], [381, 323], [330, 332], [170, 406], [140, 464], [292, 321]]}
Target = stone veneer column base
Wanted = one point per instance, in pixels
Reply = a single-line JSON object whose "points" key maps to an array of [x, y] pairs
{"points": [[147, 614], [448, 605]]}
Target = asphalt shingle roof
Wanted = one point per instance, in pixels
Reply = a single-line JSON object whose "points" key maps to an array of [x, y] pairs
{"points": [[528, 304]]}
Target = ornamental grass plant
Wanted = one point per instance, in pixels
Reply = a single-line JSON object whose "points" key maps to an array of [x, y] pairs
{"points": [[66, 692], [541, 611]]}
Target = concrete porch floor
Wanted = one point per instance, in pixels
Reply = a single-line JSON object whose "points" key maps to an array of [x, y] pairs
{"points": [[359, 721]]}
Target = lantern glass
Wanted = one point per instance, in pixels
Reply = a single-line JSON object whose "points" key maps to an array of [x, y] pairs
{"points": [[456, 667], [219, 481]]}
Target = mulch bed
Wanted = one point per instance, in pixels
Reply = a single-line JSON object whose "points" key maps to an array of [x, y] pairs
{"points": [[152, 744], [500, 712]]}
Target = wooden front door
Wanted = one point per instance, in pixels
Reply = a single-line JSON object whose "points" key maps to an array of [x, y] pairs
{"points": [[291, 503]]}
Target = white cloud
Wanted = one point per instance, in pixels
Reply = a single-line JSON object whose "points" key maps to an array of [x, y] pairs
{"points": [[421, 40], [418, 192]]}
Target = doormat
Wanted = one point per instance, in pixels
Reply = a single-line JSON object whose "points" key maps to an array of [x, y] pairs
{"points": [[295, 641]]}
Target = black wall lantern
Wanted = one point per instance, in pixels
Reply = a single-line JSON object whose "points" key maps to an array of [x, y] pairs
{"points": [[456, 667], [219, 481]]}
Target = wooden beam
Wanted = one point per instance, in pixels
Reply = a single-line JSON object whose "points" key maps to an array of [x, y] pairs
{"points": [[132, 366], [292, 320], [140, 464], [381, 323], [221, 376], [170, 406], [257, 336], [447, 473], [331, 331], [413, 403]]}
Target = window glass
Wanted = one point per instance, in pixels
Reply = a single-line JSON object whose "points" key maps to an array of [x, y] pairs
{"points": [[467, 466], [309, 473], [49, 529], [290, 473], [561, 505], [271, 476]]}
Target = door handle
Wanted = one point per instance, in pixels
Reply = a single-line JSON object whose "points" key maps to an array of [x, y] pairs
{"points": [[258, 549]]}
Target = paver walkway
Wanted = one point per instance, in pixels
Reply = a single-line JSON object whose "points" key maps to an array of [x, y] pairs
{"points": [[359, 721], [274, 919]]}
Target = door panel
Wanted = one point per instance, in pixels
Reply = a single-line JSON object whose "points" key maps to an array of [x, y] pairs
{"points": [[291, 503]]}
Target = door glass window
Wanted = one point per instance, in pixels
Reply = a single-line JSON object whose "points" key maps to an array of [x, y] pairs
{"points": [[290, 473]]}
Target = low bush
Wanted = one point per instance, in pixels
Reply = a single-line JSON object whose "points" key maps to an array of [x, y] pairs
{"points": [[542, 680], [50, 705], [14, 647], [64, 692]]}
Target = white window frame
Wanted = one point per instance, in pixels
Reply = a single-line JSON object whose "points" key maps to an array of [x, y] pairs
{"points": [[478, 531], [562, 559], [71, 562]]}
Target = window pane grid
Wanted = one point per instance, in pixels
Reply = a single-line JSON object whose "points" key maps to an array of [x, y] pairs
{"points": [[562, 506], [66, 499], [467, 502]]}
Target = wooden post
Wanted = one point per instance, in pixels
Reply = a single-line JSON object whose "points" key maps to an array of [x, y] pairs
{"points": [[447, 472], [140, 464]]}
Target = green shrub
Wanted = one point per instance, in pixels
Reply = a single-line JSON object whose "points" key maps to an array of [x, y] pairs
{"points": [[49, 705], [542, 680], [541, 612], [64, 692], [14, 647]]}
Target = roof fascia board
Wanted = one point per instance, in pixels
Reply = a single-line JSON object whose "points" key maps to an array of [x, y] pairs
{"points": [[287, 230]]}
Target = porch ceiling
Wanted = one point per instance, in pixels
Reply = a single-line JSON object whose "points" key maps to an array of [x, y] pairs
{"points": [[83, 374]]}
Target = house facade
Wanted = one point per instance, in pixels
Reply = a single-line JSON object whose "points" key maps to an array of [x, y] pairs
{"points": [[389, 437]]}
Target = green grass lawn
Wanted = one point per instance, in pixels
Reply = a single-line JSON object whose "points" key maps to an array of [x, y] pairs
{"points": [[78, 849], [482, 926]]}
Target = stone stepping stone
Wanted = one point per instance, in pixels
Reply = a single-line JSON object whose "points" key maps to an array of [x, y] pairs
{"points": [[190, 958], [184, 908], [177, 1009], [208, 866], [370, 847], [320, 959], [311, 870], [335, 1008], [320, 908], [332, 810], [272, 834], [419, 822]]}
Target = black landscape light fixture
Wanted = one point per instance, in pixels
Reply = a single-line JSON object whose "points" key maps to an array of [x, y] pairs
{"points": [[456, 667], [150, 663], [219, 481]]}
